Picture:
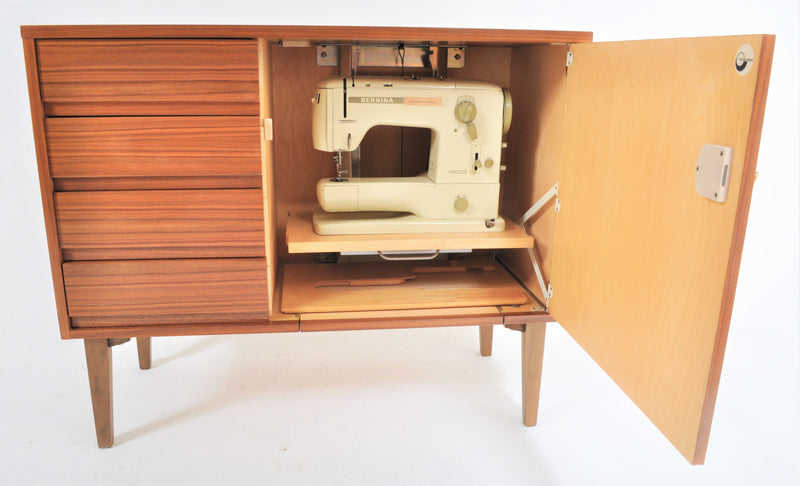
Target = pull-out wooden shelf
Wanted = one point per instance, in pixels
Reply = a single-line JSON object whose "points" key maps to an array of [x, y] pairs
{"points": [[301, 238], [330, 287]]}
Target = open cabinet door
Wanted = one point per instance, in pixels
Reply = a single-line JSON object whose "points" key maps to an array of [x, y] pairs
{"points": [[644, 267]]}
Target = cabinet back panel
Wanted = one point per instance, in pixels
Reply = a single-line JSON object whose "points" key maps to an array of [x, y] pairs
{"points": [[298, 166], [107, 77]]}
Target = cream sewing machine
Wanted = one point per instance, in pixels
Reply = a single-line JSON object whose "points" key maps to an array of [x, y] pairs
{"points": [[460, 191]]}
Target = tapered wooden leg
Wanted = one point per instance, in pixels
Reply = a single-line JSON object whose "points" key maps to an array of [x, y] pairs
{"points": [[98, 362], [486, 339], [532, 356], [143, 346]]}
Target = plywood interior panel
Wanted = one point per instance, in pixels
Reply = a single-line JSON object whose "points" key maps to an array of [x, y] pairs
{"points": [[151, 147], [641, 259], [268, 166], [102, 225], [538, 89], [332, 287], [301, 238], [298, 166], [89, 77], [406, 318]]}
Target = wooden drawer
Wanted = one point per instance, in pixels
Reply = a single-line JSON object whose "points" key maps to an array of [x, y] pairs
{"points": [[154, 152], [141, 292], [90, 77], [106, 225]]}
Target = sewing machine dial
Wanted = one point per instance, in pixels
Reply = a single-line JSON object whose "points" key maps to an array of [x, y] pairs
{"points": [[465, 112]]}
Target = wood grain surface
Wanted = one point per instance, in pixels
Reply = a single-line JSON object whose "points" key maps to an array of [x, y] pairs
{"points": [[268, 167], [748, 181], [103, 225], [83, 77], [298, 166], [169, 290], [538, 89], [222, 147], [46, 186], [311, 33], [400, 319], [393, 285], [301, 238], [641, 260]]}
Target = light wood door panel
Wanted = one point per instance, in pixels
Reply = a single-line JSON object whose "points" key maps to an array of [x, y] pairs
{"points": [[181, 148], [107, 77], [104, 225], [168, 291], [644, 268]]}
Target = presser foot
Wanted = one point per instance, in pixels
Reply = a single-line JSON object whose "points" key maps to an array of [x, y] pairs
{"points": [[380, 222]]}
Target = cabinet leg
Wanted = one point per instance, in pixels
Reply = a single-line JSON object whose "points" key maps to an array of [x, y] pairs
{"points": [[143, 346], [532, 356], [486, 339], [98, 362]]}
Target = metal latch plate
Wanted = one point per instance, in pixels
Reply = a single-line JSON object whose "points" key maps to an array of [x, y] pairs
{"points": [[712, 175]]}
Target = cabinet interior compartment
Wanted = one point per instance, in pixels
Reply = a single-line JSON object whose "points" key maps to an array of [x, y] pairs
{"points": [[535, 75]]}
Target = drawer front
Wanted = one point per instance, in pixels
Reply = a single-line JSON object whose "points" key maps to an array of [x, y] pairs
{"points": [[141, 292], [87, 77], [111, 152], [107, 225]]}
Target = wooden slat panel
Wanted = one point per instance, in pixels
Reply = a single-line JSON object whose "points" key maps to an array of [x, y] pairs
{"points": [[210, 328], [148, 147], [149, 77], [314, 33], [137, 183], [46, 185], [220, 289], [642, 271], [160, 224]]}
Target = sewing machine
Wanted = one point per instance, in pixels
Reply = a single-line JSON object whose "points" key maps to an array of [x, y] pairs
{"points": [[459, 192]]}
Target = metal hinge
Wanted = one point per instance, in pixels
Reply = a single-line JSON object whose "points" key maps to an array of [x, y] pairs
{"points": [[266, 129], [549, 291], [569, 58], [558, 205]]}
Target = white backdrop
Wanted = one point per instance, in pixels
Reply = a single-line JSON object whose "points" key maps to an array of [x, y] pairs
{"points": [[401, 406]]}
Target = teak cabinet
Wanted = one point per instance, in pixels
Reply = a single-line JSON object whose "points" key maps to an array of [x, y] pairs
{"points": [[177, 176]]}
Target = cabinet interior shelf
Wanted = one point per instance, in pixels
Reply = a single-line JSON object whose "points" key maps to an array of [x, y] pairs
{"points": [[301, 238]]}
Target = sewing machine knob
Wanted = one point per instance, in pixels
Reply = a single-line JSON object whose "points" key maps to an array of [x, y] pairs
{"points": [[461, 204], [489, 163], [465, 113]]}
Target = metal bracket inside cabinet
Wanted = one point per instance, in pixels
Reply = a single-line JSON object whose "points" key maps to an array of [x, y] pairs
{"points": [[327, 55], [395, 55], [547, 289]]}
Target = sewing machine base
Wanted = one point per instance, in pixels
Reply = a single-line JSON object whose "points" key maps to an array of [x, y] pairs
{"points": [[382, 222]]}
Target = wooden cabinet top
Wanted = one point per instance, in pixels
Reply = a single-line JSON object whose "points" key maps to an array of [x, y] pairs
{"points": [[313, 33]]}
